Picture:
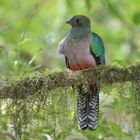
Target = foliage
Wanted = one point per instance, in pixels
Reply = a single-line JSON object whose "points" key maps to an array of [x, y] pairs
{"points": [[29, 34]]}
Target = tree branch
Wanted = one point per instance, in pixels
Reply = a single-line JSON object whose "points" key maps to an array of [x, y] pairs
{"points": [[46, 82]]}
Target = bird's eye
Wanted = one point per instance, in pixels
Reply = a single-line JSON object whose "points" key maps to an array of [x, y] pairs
{"points": [[77, 21]]}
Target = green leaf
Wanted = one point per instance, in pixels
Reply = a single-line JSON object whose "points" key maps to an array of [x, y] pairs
{"points": [[136, 18], [116, 130]]}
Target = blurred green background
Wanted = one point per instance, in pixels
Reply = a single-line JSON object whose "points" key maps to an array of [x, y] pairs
{"points": [[30, 31]]}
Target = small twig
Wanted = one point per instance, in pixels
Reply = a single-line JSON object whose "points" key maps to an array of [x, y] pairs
{"points": [[105, 99], [9, 134]]}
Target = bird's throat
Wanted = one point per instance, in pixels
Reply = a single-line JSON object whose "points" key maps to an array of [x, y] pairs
{"points": [[79, 32]]}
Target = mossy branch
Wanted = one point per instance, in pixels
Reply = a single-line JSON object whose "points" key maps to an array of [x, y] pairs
{"points": [[46, 82]]}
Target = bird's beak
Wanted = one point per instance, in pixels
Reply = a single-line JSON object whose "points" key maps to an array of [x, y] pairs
{"points": [[68, 22]]}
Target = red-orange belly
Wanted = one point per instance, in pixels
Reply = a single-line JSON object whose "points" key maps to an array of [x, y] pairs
{"points": [[81, 66]]}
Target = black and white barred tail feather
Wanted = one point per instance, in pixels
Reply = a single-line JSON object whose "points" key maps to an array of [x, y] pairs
{"points": [[88, 108]]}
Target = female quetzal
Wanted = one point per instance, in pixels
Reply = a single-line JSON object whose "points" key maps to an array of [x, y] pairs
{"points": [[83, 49]]}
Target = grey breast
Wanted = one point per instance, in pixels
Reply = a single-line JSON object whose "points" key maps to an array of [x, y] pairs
{"points": [[78, 50]]}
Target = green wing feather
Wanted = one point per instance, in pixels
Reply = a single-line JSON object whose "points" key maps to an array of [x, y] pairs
{"points": [[97, 47]]}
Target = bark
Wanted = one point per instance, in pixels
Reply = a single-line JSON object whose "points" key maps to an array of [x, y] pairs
{"points": [[102, 75]]}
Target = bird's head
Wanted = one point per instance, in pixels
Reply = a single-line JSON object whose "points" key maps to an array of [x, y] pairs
{"points": [[79, 21]]}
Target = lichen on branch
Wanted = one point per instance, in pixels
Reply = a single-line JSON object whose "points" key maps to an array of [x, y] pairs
{"points": [[31, 85]]}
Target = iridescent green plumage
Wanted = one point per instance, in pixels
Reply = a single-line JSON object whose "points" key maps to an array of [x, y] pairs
{"points": [[97, 47]]}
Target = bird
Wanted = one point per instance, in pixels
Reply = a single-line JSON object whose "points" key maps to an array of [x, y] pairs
{"points": [[83, 49]]}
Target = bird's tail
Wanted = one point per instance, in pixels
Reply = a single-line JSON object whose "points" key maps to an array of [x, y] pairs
{"points": [[88, 108]]}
